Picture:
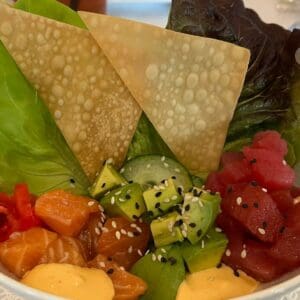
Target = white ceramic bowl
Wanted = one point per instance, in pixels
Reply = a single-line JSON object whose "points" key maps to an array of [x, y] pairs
{"points": [[285, 288]]}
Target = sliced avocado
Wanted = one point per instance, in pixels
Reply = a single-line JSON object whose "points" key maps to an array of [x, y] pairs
{"points": [[108, 179], [126, 201], [149, 170], [206, 253], [200, 209], [163, 271], [166, 230], [161, 198]]}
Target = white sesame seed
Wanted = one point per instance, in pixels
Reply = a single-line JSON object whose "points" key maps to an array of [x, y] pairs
{"points": [[118, 193], [100, 208], [112, 200], [130, 249], [218, 229], [228, 252], [114, 224], [109, 161], [188, 197], [166, 183], [122, 170], [244, 253], [123, 184], [195, 199], [154, 257], [202, 244], [156, 188], [100, 224], [175, 197], [177, 170], [91, 203], [261, 231], [97, 231], [118, 235], [130, 234], [159, 257], [284, 162], [264, 190], [140, 220], [296, 200], [184, 233], [184, 227], [163, 158], [201, 203], [102, 264], [167, 200], [139, 229], [148, 166], [122, 200], [140, 252], [163, 250], [105, 230], [122, 268], [166, 165], [133, 225], [123, 231], [239, 200], [147, 252]]}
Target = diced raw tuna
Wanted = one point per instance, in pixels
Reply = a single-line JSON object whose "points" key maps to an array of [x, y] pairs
{"points": [[214, 184], [269, 169], [283, 200], [255, 210], [270, 140]]}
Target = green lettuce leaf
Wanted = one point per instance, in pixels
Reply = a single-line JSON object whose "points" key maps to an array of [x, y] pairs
{"points": [[51, 9], [32, 147], [265, 98]]}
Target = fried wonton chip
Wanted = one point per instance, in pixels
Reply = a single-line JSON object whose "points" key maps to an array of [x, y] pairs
{"points": [[93, 108], [187, 85]]}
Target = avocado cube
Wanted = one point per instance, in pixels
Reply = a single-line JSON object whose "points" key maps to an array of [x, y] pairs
{"points": [[200, 209], [108, 179], [166, 230], [206, 253], [161, 198], [126, 201]]}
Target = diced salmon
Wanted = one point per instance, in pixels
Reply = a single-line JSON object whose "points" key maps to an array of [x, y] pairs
{"points": [[127, 286], [64, 212], [23, 250], [124, 241], [65, 250], [90, 234]]}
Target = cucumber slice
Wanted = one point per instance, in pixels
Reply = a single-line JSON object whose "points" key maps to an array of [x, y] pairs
{"points": [[149, 170]]}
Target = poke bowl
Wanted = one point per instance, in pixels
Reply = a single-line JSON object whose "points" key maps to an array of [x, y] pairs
{"points": [[140, 162]]}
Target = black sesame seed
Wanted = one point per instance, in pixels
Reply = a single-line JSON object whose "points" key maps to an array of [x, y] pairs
{"points": [[172, 260], [178, 223], [137, 206], [219, 265], [160, 210], [281, 230], [254, 183], [158, 194], [229, 190], [136, 217], [110, 271], [179, 190], [157, 205], [127, 197], [195, 193], [136, 233], [236, 273], [164, 260], [255, 204], [253, 161], [72, 180], [192, 225], [163, 181], [190, 190], [104, 163], [130, 181], [109, 258], [103, 185], [174, 177], [264, 225], [199, 232], [212, 193], [244, 205], [187, 207]]}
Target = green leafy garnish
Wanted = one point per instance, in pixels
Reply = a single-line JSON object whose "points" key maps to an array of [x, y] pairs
{"points": [[32, 148]]}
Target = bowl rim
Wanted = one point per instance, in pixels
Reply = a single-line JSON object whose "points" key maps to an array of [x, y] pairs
{"points": [[20, 290]]}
